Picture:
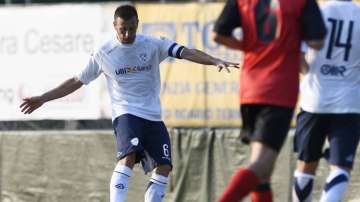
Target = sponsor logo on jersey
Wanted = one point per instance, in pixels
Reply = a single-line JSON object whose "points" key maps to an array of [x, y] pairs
{"points": [[134, 69], [333, 70]]}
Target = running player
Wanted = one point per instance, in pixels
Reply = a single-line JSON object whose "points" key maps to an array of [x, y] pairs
{"points": [[330, 105], [272, 32]]}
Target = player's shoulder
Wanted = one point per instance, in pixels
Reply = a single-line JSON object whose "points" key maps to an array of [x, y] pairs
{"points": [[341, 9], [107, 45], [339, 4], [147, 38], [155, 39]]}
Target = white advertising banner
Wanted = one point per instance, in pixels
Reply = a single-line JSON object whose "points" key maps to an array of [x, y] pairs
{"points": [[41, 46]]}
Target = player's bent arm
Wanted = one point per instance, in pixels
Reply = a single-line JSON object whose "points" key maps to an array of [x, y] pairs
{"points": [[315, 44], [228, 41], [304, 66], [30, 104], [66, 88]]}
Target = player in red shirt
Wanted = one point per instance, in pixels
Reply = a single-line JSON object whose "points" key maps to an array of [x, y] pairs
{"points": [[272, 32]]}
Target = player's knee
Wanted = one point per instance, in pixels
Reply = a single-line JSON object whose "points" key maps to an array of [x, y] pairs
{"points": [[128, 160], [262, 169], [163, 170], [342, 168], [307, 167]]}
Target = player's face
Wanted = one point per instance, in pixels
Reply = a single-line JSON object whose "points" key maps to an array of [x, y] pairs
{"points": [[126, 29]]}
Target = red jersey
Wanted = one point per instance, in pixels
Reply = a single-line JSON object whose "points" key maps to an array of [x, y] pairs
{"points": [[270, 73]]}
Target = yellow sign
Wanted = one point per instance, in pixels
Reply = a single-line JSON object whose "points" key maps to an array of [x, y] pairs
{"points": [[192, 94]]}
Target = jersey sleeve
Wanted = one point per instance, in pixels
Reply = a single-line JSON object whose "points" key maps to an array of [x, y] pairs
{"points": [[229, 19], [312, 22], [169, 48], [91, 71]]}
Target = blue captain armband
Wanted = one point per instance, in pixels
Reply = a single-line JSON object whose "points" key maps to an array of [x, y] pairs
{"points": [[175, 50]]}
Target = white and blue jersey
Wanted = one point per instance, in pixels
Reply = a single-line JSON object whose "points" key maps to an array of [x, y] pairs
{"points": [[132, 74], [332, 84], [330, 90]]}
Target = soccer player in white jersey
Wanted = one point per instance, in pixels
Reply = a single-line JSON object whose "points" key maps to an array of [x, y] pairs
{"points": [[130, 63], [330, 105]]}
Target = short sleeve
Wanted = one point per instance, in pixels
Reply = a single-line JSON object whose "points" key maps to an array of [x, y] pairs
{"points": [[229, 19], [313, 24], [169, 48], [91, 72]]}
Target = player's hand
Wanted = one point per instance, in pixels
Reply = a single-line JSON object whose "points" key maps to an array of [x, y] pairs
{"points": [[30, 104], [226, 65]]}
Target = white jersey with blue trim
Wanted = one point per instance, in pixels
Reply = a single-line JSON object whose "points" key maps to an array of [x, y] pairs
{"points": [[132, 74], [332, 84]]}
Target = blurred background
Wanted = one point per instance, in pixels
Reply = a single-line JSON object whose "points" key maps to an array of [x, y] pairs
{"points": [[65, 151]]}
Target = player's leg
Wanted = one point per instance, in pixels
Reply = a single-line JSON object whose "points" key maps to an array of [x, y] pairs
{"points": [[262, 192], [157, 144], [266, 128], [120, 178], [343, 139], [309, 139], [303, 181], [336, 184], [128, 134], [262, 163], [156, 189]]}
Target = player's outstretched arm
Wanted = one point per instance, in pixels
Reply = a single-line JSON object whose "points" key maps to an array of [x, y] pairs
{"points": [[30, 104], [200, 57]]}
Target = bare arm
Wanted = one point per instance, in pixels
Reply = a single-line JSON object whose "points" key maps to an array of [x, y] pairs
{"points": [[200, 57], [304, 66], [228, 41], [30, 104]]}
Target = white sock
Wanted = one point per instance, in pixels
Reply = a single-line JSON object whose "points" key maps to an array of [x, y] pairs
{"points": [[156, 189], [119, 183], [302, 187], [336, 186]]}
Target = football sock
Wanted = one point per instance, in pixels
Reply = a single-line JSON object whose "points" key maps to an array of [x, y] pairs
{"points": [[302, 187], [240, 185], [156, 188], [335, 187], [262, 193], [119, 183]]}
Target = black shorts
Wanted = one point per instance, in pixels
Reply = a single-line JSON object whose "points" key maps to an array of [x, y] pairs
{"points": [[135, 134], [266, 123], [341, 130]]}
